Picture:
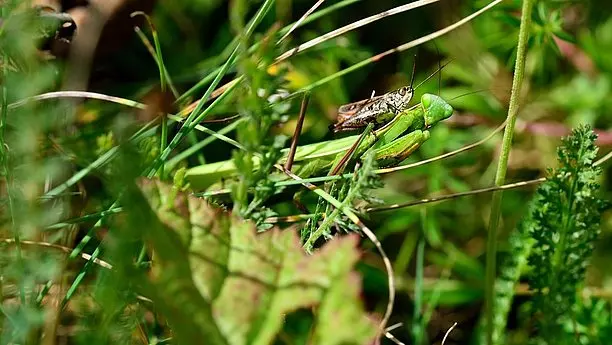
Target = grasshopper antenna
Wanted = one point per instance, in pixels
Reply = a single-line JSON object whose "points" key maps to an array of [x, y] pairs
{"points": [[434, 73], [413, 71], [439, 67]]}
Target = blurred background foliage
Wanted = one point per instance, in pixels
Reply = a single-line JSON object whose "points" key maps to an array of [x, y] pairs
{"points": [[567, 83]]}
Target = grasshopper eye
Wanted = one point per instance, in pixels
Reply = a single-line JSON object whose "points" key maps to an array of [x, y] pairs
{"points": [[405, 90]]}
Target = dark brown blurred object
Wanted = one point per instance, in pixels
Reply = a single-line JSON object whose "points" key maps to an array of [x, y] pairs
{"points": [[88, 30], [102, 27], [118, 26]]}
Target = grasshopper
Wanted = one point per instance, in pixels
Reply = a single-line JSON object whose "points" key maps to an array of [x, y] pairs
{"points": [[392, 143], [377, 110]]}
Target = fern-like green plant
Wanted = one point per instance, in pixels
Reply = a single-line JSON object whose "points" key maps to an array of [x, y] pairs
{"points": [[555, 238], [564, 222]]}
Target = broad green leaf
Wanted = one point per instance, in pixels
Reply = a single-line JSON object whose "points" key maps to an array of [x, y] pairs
{"points": [[252, 281]]}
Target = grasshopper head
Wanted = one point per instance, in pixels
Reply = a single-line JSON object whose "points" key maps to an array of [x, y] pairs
{"points": [[436, 109], [406, 94]]}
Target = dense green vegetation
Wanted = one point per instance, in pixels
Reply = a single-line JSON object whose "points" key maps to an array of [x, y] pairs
{"points": [[159, 205]]}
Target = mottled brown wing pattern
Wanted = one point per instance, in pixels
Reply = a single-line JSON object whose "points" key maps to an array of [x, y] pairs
{"points": [[355, 121], [350, 109]]}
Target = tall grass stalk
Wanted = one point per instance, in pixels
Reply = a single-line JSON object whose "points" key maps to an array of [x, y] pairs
{"points": [[502, 166], [418, 325]]}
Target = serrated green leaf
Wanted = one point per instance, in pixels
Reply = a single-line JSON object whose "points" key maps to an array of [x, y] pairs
{"points": [[252, 281]]}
